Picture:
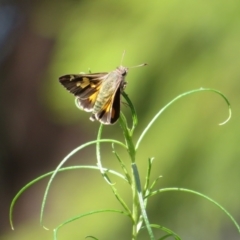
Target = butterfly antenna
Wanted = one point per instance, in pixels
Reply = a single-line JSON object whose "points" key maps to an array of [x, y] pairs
{"points": [[140, 65], [122, 57]]}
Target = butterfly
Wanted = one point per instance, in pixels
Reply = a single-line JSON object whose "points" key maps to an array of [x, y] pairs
{"points": [[98, 93]]}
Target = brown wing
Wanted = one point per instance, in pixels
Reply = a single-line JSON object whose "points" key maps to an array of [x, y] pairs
{"points": [[81, 84], [85, 87], [110, 112]]}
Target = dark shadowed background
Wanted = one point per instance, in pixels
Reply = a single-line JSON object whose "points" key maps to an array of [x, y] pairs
{"points": [[187, 45]]}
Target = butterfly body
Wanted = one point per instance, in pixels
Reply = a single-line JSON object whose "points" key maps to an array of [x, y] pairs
{"points": [[98, 93]]}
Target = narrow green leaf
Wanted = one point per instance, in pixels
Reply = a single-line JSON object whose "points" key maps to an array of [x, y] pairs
{"points": [[22, 190], [201, 195], [61, 164], [55, 232], [175, 99], [141, 201]]}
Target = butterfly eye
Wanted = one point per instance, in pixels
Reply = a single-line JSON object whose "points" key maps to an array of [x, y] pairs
{"points": [[124, 73]]}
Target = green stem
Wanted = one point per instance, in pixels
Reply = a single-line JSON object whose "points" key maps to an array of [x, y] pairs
{"points": [[128, 137], [132, 153], [135, 208]]}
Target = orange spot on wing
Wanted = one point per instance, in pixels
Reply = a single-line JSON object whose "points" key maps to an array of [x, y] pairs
{"points": [[84, 83], [93, 97]]}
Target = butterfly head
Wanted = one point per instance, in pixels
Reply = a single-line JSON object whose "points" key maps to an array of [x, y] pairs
{"points": [[122, 70]]}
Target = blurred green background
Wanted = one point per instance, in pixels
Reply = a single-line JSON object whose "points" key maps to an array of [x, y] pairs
{"points": [[187, 45]]}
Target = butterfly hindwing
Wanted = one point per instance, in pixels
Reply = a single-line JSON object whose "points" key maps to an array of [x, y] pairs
{"points": [[87, 103]]}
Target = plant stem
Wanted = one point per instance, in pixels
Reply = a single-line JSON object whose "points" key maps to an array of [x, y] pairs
{"points": [[132, 153], [135, 208]]}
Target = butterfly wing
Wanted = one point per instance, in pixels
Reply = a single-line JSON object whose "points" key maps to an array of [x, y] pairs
{"points": [[85, 87]]}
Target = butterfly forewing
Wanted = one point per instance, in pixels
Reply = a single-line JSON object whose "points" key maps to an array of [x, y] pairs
{"points": [[81, 84], [85, 87]]}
